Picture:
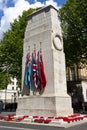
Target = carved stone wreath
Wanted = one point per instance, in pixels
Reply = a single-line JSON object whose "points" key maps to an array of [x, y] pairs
{"points": [[57, 41]]}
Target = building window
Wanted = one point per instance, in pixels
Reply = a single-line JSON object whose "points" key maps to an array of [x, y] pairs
{"points": [[72, 73], [12, 88]]}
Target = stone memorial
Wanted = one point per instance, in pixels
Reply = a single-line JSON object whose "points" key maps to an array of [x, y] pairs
{"points": [[43, 31]]}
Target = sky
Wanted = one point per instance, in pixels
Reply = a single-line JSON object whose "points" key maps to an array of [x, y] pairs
{"points": [[11, 9]]}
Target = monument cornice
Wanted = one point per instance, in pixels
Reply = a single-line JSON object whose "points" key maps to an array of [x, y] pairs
{"points": [[44, 8]]}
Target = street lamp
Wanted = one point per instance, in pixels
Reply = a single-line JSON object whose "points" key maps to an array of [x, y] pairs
{"points": [[6, 87]]}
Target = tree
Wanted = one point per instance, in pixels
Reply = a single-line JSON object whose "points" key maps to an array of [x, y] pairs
{"points": [[2, 80], [73, 16], [11, 48]]}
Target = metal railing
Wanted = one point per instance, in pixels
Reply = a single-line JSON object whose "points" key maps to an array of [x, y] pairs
{"points": [[76, 78]]}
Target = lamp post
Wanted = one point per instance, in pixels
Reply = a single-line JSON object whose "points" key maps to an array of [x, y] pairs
{"points": [[11, 98], [6, 88]]}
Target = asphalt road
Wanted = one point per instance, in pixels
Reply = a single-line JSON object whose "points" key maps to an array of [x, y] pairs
{"points": [[21, 126]]}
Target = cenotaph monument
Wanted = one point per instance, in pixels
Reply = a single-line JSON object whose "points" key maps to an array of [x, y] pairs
{"points": [[43, 31]]}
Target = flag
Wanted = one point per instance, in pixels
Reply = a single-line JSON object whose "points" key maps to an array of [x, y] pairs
{"points": [[28, 71], [38, 74], [42, 73], [34, 68]]}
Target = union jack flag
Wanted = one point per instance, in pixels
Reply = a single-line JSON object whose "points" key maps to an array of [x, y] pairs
{"points": [[34, 68]]}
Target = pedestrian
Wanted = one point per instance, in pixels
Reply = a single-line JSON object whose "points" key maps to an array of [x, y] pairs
{"points": [[0, 106]]}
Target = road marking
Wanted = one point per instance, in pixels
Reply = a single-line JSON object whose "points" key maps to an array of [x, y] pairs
{"points": [[16, 128]]}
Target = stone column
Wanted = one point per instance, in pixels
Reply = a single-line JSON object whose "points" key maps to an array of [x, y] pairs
{"points": [[44, 27]]}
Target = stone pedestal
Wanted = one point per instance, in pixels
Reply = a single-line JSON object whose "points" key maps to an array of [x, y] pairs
{"points": [[44, 26], [44, 106]]}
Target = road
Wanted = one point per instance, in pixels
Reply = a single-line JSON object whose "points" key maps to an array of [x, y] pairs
{"points": [[21, 126]]}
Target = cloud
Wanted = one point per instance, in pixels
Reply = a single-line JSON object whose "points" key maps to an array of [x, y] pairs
{"points": [[1, 4], [51, 2], [11, 13]]}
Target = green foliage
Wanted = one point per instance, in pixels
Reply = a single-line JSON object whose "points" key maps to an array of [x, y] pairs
{"points": [[11, 49], [2, 80], [73, 17]]}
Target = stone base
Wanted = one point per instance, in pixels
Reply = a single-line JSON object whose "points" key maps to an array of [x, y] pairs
{"points": [[44, 106]]}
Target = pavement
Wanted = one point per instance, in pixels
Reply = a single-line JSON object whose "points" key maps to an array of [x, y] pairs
{"points": [[63, 121], [5, 113]]}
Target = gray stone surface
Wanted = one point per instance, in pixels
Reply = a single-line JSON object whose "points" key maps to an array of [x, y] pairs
{"points": [[44, 106], [44, 26]]}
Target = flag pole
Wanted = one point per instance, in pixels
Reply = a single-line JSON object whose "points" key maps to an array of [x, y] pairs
{"points": [[40, 45], [34, 46], [29, 48]]}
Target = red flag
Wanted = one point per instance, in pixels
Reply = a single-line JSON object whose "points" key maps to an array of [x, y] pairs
{"points": [[42, 73]]}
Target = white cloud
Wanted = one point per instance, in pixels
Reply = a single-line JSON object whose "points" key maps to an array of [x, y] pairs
{"points": [[1, 4], [11, 13], [51, 2]]}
